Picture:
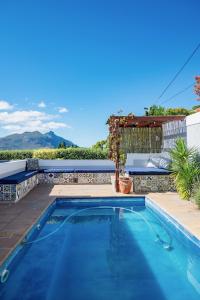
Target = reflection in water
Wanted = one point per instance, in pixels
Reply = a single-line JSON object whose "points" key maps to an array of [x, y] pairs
{"points": [[193, 272]]}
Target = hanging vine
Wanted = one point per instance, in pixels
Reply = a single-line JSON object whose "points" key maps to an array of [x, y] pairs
{"points": [[115, 153], [197, 86]]}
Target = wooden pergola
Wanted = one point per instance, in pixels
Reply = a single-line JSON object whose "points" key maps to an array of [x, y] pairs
{"points": [[116, 123]]}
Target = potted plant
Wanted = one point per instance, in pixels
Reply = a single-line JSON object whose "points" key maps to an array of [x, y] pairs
{"points": [[125, 182]]}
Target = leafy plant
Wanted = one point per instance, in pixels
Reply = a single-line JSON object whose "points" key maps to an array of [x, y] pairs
{"points": [[185, 168], [156, 110], [197, 86], [197, 196], [15, 154], [101, 145], [62, 145]]}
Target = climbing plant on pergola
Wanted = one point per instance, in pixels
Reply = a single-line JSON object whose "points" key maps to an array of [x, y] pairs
{"points": [[118, 123], [197, 86]]}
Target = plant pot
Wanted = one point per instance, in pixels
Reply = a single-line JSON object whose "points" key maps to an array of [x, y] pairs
{"points": [[125, 184]]}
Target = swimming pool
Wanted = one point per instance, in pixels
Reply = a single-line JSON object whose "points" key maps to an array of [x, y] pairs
{"points": [[104, 248]]}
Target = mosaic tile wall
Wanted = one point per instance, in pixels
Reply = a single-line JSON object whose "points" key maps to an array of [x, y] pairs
{"points": [[14, 192], [153, 183], [75, 178]]}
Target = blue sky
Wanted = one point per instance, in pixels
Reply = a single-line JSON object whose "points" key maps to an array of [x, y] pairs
{"points": [[67, 65]]}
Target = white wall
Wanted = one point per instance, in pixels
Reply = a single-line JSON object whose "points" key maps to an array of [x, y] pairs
{"points": [[62, 163], [193, 130], [12, 167]]}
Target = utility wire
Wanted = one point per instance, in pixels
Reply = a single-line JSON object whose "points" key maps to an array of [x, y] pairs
{"points": [[180, 70], [177, 94]]}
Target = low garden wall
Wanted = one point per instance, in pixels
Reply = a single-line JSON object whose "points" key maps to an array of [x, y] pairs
{"points": [[153, 183], [74, 178], [15, 192], [101, 172]]}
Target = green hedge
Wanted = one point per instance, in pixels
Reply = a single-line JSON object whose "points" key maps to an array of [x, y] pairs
{"points": [[69, 153], [15, 154]]}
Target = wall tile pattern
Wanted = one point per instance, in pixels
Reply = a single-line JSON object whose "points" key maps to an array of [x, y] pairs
{"points": [[14, 192], [153, 183], [74, 178]]}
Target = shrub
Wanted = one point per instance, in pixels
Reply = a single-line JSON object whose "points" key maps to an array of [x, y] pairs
{"points": [[185, 167], [196, 195], [68, 153], [15, 154]]}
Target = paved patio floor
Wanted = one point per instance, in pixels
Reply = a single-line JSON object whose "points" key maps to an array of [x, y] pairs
{"points": [[16, 219]]}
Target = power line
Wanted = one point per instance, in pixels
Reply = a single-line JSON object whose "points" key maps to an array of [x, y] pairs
{"points": [[180, 70], [177, 94]]}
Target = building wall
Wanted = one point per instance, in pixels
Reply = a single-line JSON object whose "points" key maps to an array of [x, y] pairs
{"points": [[188, 129], [193, 130], [172, 131]]}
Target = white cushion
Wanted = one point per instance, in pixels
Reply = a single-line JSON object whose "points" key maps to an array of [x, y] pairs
{"points": [[155, 161], [164, 163], [150, 164]]}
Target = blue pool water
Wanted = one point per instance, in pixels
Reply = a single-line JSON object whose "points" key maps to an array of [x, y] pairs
{"points": [[104, 249]]}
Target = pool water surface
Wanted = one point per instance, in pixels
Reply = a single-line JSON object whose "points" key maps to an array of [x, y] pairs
{"points": [[103, 249]]}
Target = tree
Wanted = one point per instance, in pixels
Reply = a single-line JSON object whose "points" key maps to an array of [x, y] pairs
{"points": [[62, 145], [101, 145], [178, 111], [197, 86], [155, 110]]}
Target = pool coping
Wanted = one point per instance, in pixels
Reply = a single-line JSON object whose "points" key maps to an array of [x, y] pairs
{"points": [[173, 220]]}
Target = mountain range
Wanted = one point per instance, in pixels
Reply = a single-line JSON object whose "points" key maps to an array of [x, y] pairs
{"points": [[32, 140]]}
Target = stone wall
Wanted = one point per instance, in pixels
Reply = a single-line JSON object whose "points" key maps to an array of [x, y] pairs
{"points": [[15, 192], [74, 178], [153, 183]]}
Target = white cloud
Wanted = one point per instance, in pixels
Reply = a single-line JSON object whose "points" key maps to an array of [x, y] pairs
{"points": [[62, 110], [4, 105], [42, 104], [29, 120]]}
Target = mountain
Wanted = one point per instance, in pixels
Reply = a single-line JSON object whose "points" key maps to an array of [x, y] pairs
{"points": [[32, 140]]}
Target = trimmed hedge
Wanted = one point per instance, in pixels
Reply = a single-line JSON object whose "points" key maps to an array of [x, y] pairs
{"points": [[15, 154], [68, 153]]}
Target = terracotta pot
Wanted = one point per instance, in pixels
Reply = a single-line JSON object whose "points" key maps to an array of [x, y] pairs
{"points": [[125, 184]]}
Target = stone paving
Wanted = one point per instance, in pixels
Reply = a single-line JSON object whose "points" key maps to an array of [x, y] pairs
{"points": [[17, 218]]}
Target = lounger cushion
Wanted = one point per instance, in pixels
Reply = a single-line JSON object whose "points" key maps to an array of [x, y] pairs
{"points": [[146, 171], [17, 178], [81, 169]]}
